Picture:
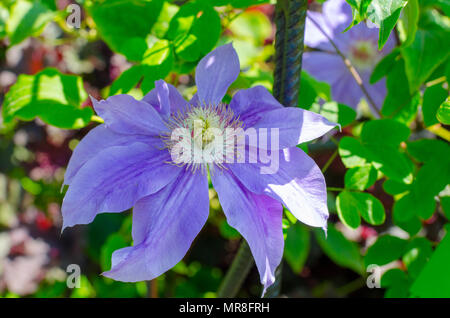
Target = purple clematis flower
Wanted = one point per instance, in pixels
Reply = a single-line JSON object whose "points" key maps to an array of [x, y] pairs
{"points": [[359, 45], [128, 162]]}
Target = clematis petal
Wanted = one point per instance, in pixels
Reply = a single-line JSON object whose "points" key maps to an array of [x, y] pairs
{"points": [[126, 115], [257, 108], [94, 142], [314, 37], [346, 91], [258, 218], [247, 104], [215, 73], [324, 66], [114, 180], [165, 98], [338, 15], [378, 92], [164, 226], [298, 184]]}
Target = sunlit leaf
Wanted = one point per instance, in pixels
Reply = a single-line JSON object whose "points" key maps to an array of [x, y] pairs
{"points": [[54, 97]]}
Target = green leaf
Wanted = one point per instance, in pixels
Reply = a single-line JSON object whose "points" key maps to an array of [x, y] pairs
{"points": [[360, 178], [386, 249], [113, 243], [384, 132], [393, 187], [157, 63], [125, 25], [418, 251], [408, 23], [445, 203], [351, 204], [425, 150], [161, 26], [352, 152], [54, 97], [411, 226], [432, 177], [310, 90], [127, 80], [340, 250], [433, 98], [27, 18], [348, 208], [434, 279], [424, 55], [385, 13], [187, 30], [381, 138], [296, 246], [412, 205], [399, 104], [384, 66], [252, 26], [227, 231], [335, 112], [443, 114], [397, 283], [4, 15]]}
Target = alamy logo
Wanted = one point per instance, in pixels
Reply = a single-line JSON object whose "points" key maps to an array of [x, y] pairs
{"points": [[374, 279], [73, 279], [74, 18]]}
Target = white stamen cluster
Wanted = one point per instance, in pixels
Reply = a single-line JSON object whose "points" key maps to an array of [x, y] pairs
{"points": [[203, 136], [363, 54]]}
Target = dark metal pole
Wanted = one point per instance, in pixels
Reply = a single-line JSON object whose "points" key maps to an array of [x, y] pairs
{"points": [[290, 17]]}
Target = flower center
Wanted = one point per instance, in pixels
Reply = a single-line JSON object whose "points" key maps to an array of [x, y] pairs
{"points": [[363, 54], [202, 136]]}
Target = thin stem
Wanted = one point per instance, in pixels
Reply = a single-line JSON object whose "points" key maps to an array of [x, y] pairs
{"points": [[242, 263], [335, 189], [330, 161], [350, 67]]}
